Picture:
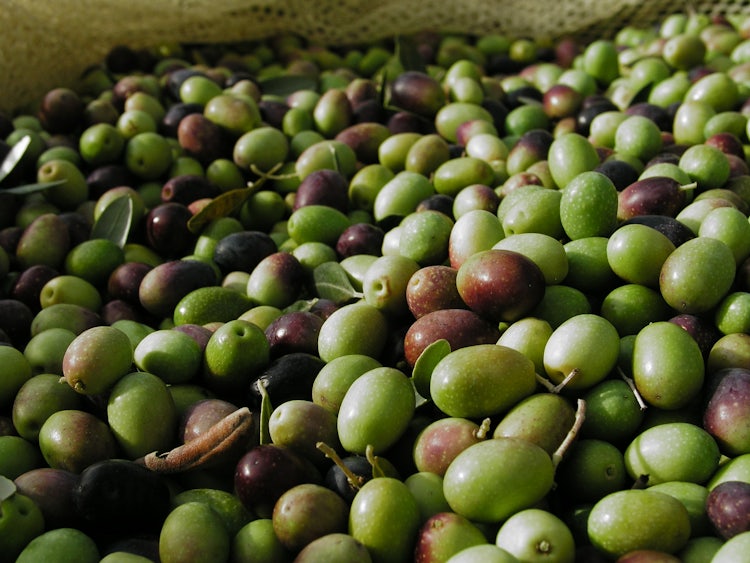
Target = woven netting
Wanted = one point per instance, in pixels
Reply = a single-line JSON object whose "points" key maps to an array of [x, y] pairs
{"points": [[47, 43]]}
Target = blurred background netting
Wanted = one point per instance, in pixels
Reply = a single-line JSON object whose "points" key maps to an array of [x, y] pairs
{"points": [[48, 43]]}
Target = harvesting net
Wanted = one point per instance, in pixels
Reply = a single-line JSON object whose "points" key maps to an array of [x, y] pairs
{"points": [[47, 43]]}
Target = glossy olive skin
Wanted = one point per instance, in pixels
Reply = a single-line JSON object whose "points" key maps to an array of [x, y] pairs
{"points": [[123, 495], [265, 472], [167, 230], [163, 286], [500, 285], [460, 327]]}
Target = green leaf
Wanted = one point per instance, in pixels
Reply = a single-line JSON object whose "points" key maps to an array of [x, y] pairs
{"points": [[408, 55], [31, 188], [229, 202], [425, 364], [266, 408], [287, 84], [115, 221], [14, 156], [332, 282], [7, 488], [221, 206], [383, 92], [301, 305]]}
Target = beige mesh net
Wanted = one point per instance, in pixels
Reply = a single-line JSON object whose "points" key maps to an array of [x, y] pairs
{"points": [[46, 43]]}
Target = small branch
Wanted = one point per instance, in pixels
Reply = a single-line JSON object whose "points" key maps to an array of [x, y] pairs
{"points": [[355, 481], [560, 386], [484, 429], [549, 386], [641, 403], [572, 433]]}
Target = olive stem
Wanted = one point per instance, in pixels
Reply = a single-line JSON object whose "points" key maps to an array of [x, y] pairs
{"points": [[641, 403], [687, 187], [572, 433], [355, 481], [641, 482], [377, 471], [560, 386], [484, 429], [270, 173], [545, 383]]}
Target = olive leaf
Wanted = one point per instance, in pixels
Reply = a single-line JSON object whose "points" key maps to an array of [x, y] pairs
{"points": [[286, 84], [301, 306], [31, 188], [332, 282], [221, 206], [408, 55], [115, 221], [229, 202], [422, 372], [7, 488], [14, 156], [266, 408]]}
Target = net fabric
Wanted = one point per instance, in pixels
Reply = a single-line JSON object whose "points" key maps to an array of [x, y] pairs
{"points": [[47, 43]]}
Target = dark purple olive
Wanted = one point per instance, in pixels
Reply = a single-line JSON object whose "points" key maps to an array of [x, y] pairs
{"points": [[163, 286], [531, 147], [203, 139], [406, 122], [621, 173], [437, 202], [294, 331], [266, 472], [498, 110], [728, 508], [673, 229], [368, 111], [121, 495], [167, 230], [287, 377], [243, 251], [108, 176], [174, 114], [323, 187], [61, 110], [657, 195], [52, 490], [187, 188], [702, 329], [28, 286], [336, 480], [272, 112], [199, 333], [79, 227], [15, 321], [360, 238], [118, 310], [726, 142], [591, 108], [125, 281], [460, 327], [655, 113], [521, 95], [177, 77], [561, 100], [364, 138], [417, 92]]}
